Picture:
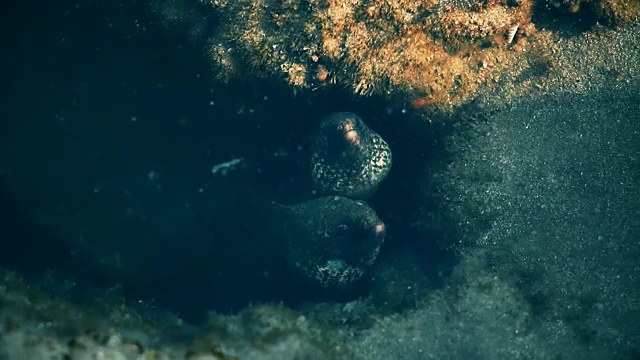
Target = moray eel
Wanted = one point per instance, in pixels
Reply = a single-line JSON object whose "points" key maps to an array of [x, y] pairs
{"points": [[331, 241], [347, 158]]}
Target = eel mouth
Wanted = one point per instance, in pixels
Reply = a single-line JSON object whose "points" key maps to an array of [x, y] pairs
{"points": [[351, 135], [380, 229]]}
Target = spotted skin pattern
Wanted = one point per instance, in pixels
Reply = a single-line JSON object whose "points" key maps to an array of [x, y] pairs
{"points": [[331, 241], [348, 159]]}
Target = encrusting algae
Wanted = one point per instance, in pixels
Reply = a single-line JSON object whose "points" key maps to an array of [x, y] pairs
{"points": [[436, 53], [430, 53]]}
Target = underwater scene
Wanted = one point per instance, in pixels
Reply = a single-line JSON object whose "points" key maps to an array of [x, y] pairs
{"points": [[320, 179]]}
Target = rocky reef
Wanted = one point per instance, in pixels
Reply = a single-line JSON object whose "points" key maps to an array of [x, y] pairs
{"points": [[128, 181], [434, 54], [430, 53]]}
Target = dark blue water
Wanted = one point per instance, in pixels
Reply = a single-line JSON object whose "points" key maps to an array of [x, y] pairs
{"points": [[110, 126]]}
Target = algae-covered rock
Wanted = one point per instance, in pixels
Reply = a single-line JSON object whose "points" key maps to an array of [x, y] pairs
{"points": [[430, 52]]}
